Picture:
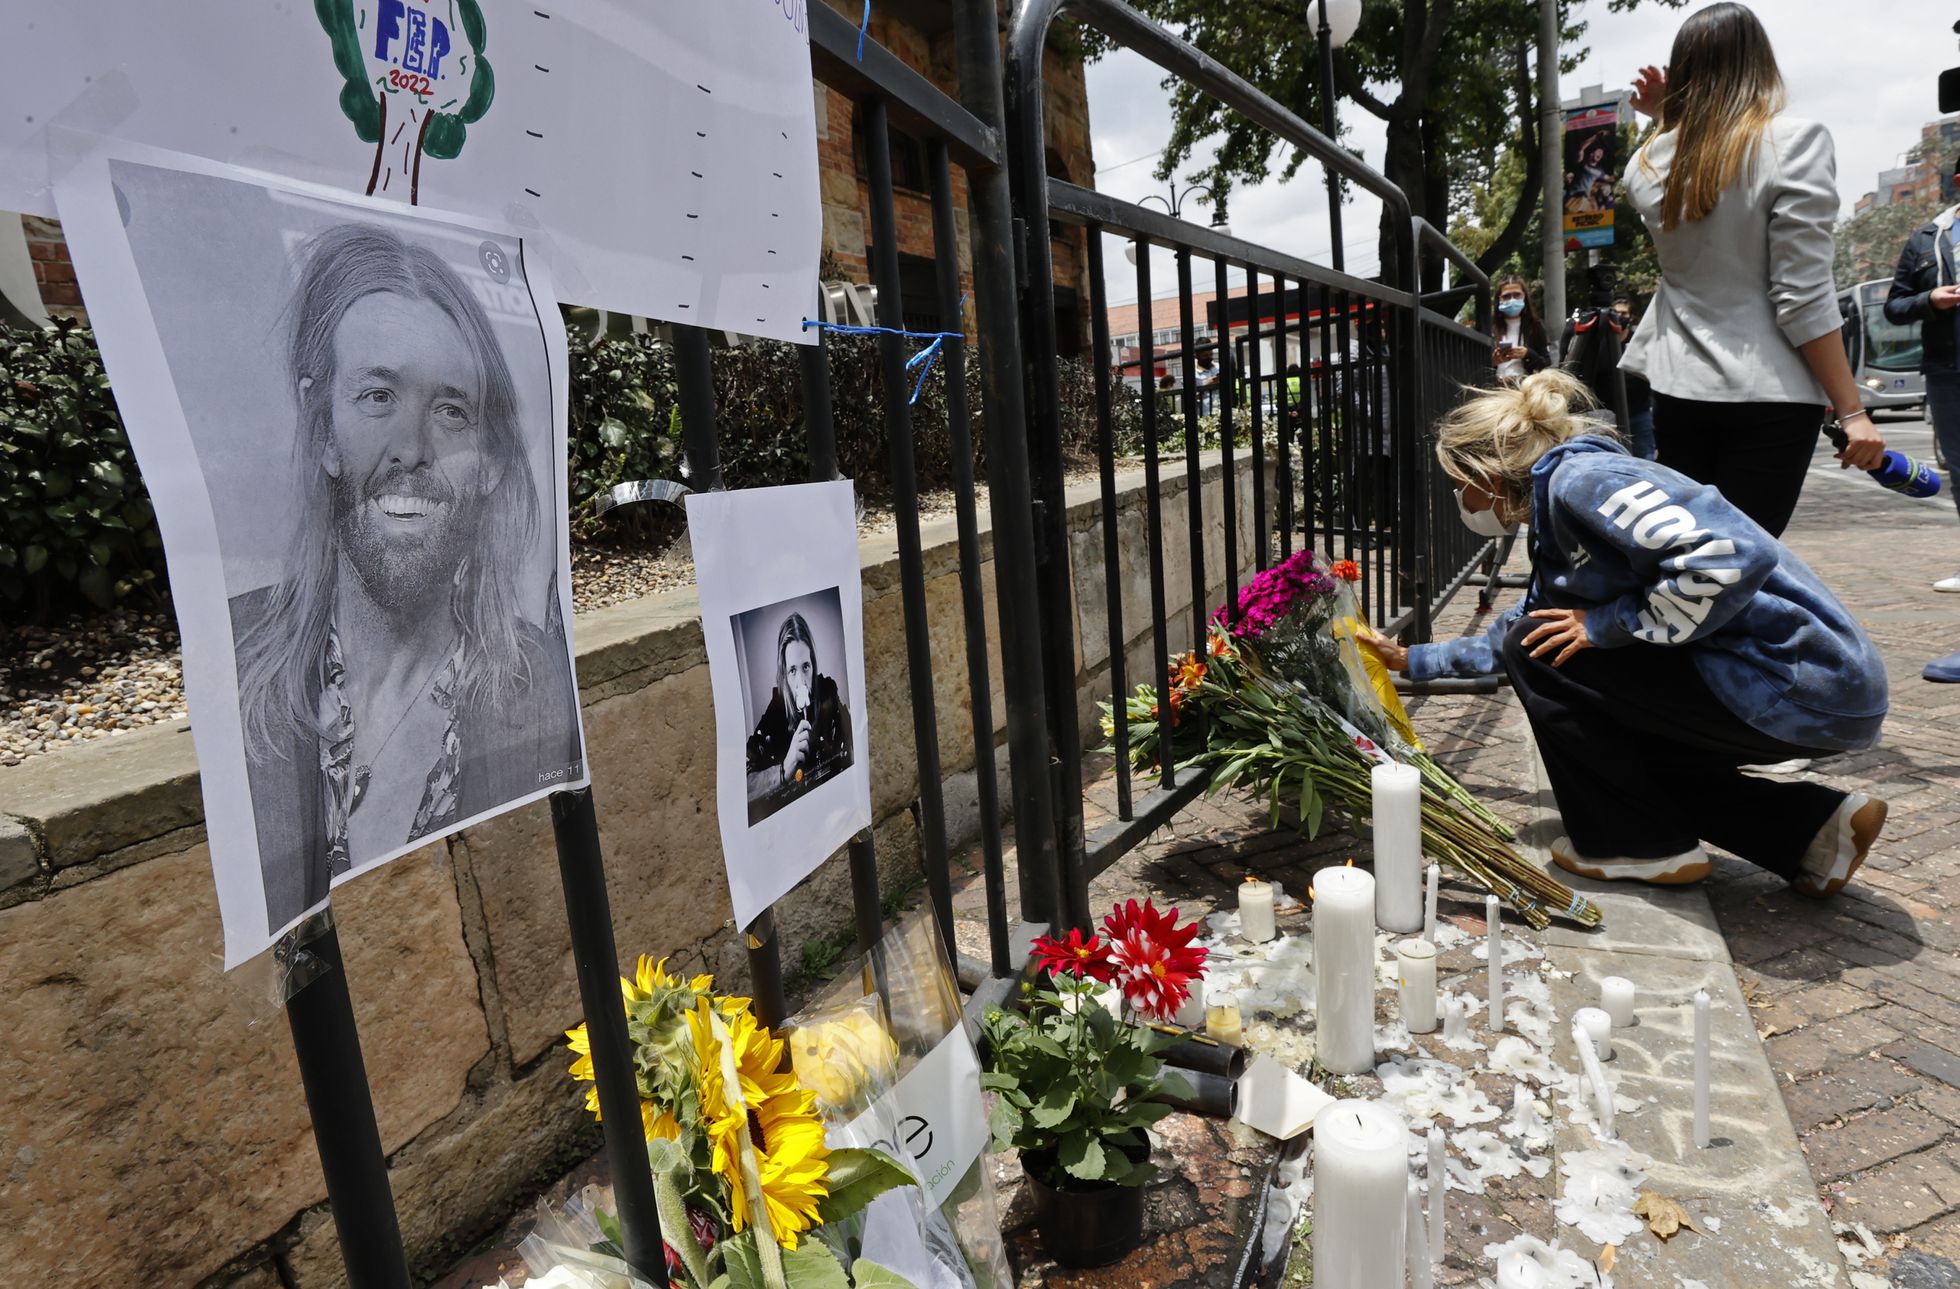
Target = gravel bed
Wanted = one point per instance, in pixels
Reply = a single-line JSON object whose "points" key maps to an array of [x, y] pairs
{"points": [[96, 677]]}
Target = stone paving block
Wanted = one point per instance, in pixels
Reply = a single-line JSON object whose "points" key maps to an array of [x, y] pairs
{"points": [[1941, 1100], [1933, 1062], [1872, 1139], [1809, 1005], [1847, 1089], [1815, 1047], [1902, 1194]]}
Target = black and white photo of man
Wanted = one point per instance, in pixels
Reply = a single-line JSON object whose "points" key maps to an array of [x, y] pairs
{"points": [[801, 735], [391, 686]]}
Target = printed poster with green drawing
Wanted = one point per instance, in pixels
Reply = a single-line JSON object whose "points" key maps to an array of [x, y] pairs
{"points": [[662, 153]]}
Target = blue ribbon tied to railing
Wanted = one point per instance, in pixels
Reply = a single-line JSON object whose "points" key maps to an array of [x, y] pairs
{"points": [[923, 360]]}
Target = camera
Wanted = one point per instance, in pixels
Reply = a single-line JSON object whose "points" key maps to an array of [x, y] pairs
{"points": [[1950, 84]]}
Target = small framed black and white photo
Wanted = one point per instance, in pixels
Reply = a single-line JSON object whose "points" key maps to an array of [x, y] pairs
{"points": [[351, 419], [782, 616]]}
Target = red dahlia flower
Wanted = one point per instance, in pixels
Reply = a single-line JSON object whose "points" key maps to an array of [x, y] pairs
{"points": [[1151, 958], [1075, 956]]}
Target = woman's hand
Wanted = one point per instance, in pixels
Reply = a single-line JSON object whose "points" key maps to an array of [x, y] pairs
{"points": [[1864, 446], [1561, 629], [1649, 88], [1394, 656]]}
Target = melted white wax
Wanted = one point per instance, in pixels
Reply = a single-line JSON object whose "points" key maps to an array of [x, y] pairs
{"points": [[1562, 1268], [1601, 1187]]}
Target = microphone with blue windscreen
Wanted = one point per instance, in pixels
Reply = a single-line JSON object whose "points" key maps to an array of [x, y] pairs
{"points": [[1900, 473]]}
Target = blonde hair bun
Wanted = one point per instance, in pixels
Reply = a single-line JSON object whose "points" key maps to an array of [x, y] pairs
{"points": [[1499, 434]]}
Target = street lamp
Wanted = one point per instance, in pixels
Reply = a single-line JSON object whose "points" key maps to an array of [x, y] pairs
{"points": [[1331, 23], [1174, 206]]}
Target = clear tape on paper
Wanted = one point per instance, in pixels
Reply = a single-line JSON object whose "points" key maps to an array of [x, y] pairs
{"points": [[625, 494], [292, 965]]}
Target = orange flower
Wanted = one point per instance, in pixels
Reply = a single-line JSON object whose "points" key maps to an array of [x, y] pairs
{"points": [[1220, 645], [1189, 672], [1347, 570]]}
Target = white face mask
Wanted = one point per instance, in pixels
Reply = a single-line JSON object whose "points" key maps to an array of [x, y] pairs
{"points": [[1484, 523]]}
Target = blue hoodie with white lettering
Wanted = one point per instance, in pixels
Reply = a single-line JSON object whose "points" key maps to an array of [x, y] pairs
{"points": [[1658, 559]]}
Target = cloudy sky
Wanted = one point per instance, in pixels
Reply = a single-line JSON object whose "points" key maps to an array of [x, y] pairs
{"points": [[1871, 79]]}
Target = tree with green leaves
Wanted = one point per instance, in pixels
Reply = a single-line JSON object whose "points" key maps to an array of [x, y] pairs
{"points": [[423, 56], [1868, 243], [1451, 79]]}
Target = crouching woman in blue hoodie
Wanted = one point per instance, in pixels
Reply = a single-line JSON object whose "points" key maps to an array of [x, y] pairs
{"points": [[1666, 642]]}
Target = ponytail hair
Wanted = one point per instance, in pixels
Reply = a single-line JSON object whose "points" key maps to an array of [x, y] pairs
{"points": [[1499, 434]]}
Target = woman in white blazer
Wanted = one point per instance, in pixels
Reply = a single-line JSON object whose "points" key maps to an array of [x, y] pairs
{"points": [[1741, 343]]}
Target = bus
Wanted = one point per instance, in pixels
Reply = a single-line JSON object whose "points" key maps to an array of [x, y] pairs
{"points": [[1884, 354]]}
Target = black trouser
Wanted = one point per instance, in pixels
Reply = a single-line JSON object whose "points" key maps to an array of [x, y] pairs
{"points": [[1756, 454], [1643, 759]]}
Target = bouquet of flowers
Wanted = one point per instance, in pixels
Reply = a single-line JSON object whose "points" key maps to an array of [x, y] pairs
{"points": [[1074, 1079], [740, 1170], [1293, 712]]}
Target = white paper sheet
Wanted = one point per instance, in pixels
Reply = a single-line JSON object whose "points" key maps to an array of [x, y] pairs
{"points": [[1277, 1101], [402, 498], [776, 570], [664, 152]]}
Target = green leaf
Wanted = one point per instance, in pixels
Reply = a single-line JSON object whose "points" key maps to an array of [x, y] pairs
{"points": [[856, 1178], [809, 1266], [869, 1275], [1005, 1121], [1081, 1157], [1054, 1108]]}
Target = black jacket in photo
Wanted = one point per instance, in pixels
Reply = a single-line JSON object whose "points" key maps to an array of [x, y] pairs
{"points": [[830, 740]]}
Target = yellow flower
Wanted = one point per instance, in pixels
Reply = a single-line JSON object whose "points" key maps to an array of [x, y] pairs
{"points": [[780, 1117], [792, 1163], [840, 1059]]}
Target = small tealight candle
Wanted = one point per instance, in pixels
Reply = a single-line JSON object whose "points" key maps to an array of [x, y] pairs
{"points": [[1518, 1271], [1430, 883], [1494, 919], [1416, 977], [1616, 998], [1455, 1028], [1256, 910], [1701, 1069], [1222, 1019], [1598, 1024]]}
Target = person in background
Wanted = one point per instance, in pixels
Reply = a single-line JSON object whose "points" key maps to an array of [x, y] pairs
{"points": [[1640, 395], [1666, 642], [1925, 290], [1518, 345], [1740, 343]]}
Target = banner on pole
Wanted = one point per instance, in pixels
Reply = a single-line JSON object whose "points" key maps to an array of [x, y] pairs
{"points": [[1592, 144]]}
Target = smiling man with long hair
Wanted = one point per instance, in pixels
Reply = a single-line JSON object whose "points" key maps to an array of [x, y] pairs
{"points": [[390, 684]]}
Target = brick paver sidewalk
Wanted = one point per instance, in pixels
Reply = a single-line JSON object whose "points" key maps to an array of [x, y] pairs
{"points": [[1859, 997]]}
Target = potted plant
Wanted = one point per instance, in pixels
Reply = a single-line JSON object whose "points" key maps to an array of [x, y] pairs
{"points": [[1075, 1076]]}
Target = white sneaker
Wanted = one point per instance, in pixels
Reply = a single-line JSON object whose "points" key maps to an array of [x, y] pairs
{"points": [[1795, 765], [1672, 870], [1840, 846], [1948, 584]]}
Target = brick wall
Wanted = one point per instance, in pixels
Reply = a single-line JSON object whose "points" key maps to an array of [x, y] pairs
{"points": [[53, 271]]}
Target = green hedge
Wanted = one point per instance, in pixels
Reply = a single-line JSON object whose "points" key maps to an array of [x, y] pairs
{"points": [[76, 527]]}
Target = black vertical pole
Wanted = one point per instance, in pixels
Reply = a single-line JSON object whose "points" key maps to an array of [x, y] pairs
{"points": [[588, 910], [335, 1077], [1328, 125]]}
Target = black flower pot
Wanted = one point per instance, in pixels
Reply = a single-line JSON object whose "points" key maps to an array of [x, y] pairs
{"points": [[1084, 1224]]}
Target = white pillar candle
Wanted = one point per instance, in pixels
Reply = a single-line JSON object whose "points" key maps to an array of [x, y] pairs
{"points": [[1222, 1019], [1421, 1274], [1455, 1028], [1598, 1024], [1344, 969], [1701, 1069], [1602, 1091], [1433, 879], [1191, 1015], [1256, 910], [1518, 1271], [1398, 847], [1494, 918], [1415, 962], [1360, 1188], [1439, 1186], [1616, 998]]}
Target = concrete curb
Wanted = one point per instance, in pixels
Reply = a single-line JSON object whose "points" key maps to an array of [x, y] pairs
{"points": [[1751, 1193]]}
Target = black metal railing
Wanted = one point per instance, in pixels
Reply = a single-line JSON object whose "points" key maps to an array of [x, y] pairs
{"points": [[1338, 452]]}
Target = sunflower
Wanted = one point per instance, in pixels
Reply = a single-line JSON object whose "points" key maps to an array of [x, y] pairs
{"points": [[779, 1118], [654, 1121], [791, 1159]]}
